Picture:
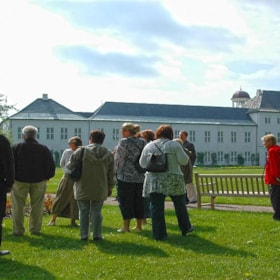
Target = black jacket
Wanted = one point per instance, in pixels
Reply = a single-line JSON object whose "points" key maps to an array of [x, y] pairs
{"points": [[7, 168], [191, 148], [33, 162]]}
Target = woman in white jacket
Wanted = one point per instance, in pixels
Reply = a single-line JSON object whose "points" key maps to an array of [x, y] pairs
{"points": [[158, 185]]}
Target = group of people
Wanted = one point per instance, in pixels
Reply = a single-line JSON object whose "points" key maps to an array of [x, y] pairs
{"points": [[142, 194], [26, 167]]}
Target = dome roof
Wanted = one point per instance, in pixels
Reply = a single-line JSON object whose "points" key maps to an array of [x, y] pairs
{"points": [[241, 94]]}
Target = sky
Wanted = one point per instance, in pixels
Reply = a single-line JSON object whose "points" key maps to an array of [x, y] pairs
{"points": [[84, 53]]}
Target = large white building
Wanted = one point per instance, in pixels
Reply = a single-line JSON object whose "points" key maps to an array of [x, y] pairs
{"points": [[222, 135]]}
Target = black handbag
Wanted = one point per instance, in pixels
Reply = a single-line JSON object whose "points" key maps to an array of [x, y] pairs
{"points": [[157, 162], [76, 172]]}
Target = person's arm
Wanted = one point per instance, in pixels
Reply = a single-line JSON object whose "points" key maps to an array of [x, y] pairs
{"points": [[111, 175], [120, 155], [145, 156], [63, 159], [74, 159], [274, 161], [182, 157], [7, 165]]}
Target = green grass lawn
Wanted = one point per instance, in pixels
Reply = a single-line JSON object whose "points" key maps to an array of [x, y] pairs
{"points": [[225, 245]]}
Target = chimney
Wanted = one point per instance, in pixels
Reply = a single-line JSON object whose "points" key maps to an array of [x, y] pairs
{"points": [[45, 96]]}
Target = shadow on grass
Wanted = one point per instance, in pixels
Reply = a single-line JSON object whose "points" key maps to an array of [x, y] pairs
{"points": [[48, 241], [129, 248], [22, 271], [200, 245]]}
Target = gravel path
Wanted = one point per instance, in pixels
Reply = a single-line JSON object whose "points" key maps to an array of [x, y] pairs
{"points": [[224, 207]]}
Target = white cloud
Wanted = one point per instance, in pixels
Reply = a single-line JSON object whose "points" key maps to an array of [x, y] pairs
{"points": [[183, 53]]}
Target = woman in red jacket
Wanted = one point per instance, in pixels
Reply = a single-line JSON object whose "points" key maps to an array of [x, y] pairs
{"points": [[272, 172]]}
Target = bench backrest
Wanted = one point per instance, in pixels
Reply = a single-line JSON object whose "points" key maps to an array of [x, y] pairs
{"points": [[231, 184]]}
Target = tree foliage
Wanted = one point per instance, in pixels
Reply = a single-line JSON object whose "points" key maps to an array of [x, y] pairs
{"points": [[5, 108]]}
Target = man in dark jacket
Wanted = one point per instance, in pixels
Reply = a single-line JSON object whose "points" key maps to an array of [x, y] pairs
{"points": [[34, 165], [191, 196], [7, 176]]}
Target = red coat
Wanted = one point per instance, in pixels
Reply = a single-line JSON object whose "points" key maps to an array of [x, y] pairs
{"points": [[272, 167]]}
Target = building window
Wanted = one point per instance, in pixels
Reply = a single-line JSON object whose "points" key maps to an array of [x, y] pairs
{"points": [[63, 133], [19, 133], [267, 132], [50, 132], [267, 120], [207, 157], [220, 136], [220, 156], [278, 137], [116, 134], [233, 156], [247, 156], [78, 132], [247, 137], [278, 120], [192, 136], [176, 133], [207, 136], [38, 132], [233, 137]]}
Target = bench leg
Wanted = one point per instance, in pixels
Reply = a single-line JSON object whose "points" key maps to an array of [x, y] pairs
{"points": [[198, 201], [213, 202]]}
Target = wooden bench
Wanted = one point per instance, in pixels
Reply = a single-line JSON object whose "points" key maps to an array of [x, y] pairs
{"points": [[232, 185]]}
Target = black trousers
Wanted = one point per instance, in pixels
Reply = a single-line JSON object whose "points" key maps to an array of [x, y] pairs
{"points": [[274, 191], [3, 199]]}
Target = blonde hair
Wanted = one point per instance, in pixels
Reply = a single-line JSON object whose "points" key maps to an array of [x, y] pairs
{"points": [[132, 128], [269, 138]]}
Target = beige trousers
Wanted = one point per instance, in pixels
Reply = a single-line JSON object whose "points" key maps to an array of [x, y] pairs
{"points": [[19, 195], [191, 192]]}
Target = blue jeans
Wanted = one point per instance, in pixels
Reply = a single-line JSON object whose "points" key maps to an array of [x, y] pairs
{"points": [[90, 211], [158, 218]]}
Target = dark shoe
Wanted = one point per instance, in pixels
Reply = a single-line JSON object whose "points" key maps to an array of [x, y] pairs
{"points": [[192, 202], [191, 229], [84, 238], [161, 238], [74, 225], [97, 238], [4, 252]]}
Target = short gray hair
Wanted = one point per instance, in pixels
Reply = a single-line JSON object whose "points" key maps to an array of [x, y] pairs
{"points": [[29, 131]]}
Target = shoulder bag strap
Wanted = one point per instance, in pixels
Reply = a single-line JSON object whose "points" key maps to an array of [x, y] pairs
{"points": [[159, 147]]}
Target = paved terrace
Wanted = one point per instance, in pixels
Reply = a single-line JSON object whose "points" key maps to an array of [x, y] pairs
{"points": [[224, 207]]}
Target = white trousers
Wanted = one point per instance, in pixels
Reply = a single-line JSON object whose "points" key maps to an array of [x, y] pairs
{"points": [[191, 192]]}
